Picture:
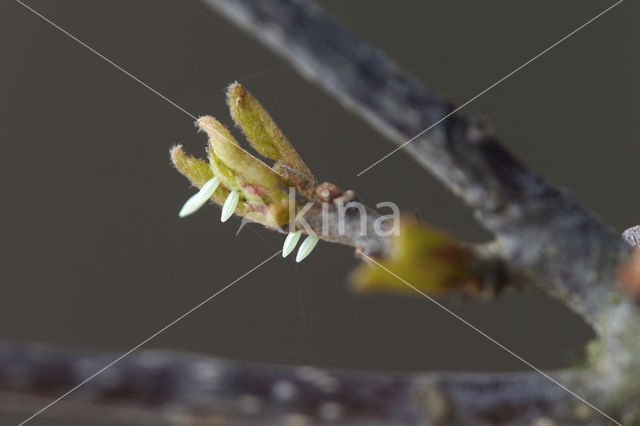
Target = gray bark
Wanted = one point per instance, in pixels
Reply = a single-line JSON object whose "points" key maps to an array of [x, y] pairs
{"points": [[542, 236]]}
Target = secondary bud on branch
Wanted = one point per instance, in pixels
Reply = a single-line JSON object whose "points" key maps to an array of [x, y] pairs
{"points": [[428, 258]]}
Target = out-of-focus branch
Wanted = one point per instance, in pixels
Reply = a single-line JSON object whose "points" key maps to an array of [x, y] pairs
{"points": [[543, 233], [462, 154], [168, 387], [543, 237]]}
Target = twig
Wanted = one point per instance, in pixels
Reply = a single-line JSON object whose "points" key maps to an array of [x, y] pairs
{"points": [[542, 235], [169, 387], [509, 199]]}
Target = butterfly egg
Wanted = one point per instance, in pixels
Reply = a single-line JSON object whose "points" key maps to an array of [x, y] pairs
{"points": [[290, 243], [306, 248], [194, 203], [229, 206]]}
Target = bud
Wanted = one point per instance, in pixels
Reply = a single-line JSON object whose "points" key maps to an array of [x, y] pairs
{"points": [[431, 260]]}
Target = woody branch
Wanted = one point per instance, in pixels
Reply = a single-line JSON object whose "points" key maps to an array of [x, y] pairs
{"points": [[543, 236]]}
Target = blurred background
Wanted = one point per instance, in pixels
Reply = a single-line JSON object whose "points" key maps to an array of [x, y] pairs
{"points": [[93, 254]]}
